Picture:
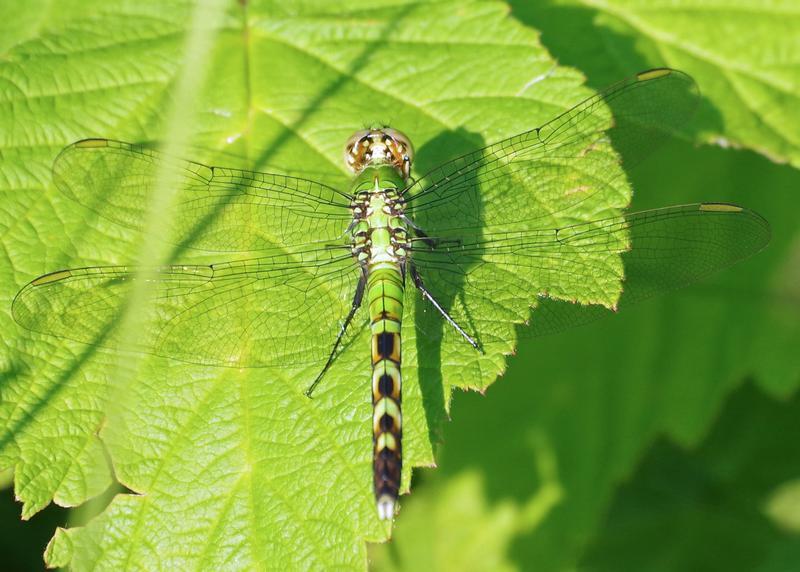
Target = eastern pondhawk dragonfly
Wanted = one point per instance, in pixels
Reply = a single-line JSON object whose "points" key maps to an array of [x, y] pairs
{"points": [[309, 265]]}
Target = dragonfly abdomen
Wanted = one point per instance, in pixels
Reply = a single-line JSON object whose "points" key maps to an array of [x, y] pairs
{"points": [[385, 294]]}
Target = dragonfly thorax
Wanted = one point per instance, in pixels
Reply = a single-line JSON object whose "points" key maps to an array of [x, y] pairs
{"points": [[372, 147], [378, 233]]}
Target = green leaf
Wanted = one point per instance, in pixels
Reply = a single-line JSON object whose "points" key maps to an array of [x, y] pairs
{"points": [[743, 54], [232, 468]]}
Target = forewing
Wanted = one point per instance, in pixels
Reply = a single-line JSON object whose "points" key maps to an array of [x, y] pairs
{"points": [[278, 310], [216, 209], [482, 280], [553, 175]]}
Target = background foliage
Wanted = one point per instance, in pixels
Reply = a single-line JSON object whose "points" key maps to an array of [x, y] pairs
{"points": [[655, 440]]}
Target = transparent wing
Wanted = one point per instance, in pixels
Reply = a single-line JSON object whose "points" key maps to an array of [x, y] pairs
{"points": [[278, 309], [661, 249], [573, 160], [217, 209]]}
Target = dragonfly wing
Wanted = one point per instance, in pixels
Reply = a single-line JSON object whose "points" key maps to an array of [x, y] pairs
{"points": [[644, 253], [276, 310], [568, 162], [217, 209]]}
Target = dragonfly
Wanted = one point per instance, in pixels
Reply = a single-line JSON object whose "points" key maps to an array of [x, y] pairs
{"points": [[304, 266]]}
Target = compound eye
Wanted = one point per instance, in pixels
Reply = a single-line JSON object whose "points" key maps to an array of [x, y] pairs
{"points": [[353, 147], [403, 143], [356, 139]]}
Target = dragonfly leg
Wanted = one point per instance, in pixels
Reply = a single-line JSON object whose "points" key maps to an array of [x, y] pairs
{"points": [[357, 299], [434, 242], [408, 221], [431, 241], [429, 297]]}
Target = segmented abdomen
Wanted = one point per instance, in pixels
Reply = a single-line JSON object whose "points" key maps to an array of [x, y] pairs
{"points": [[385, 294]]}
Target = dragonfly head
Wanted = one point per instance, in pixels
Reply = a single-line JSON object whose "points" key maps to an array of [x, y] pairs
{"points": [[384, 146]]}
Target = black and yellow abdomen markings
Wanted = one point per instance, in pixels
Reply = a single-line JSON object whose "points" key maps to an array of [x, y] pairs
{"points": [[386, 345], [385, 294]]}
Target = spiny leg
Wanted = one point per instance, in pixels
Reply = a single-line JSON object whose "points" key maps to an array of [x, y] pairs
{"points": [[428, 296], [434, 242], [357, 299], [431, 241]]}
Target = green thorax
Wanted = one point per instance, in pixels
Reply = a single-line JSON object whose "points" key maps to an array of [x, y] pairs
{"points": [[380, 238]]}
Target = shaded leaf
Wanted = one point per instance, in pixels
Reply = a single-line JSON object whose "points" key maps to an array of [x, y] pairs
{"points": [[743, 54]]}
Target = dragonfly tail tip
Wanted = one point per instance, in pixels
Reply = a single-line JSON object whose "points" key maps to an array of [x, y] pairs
{"points": [[385, 507]]}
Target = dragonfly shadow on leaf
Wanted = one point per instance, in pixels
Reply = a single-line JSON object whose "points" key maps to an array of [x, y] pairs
{"points": [[443, 283]]}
